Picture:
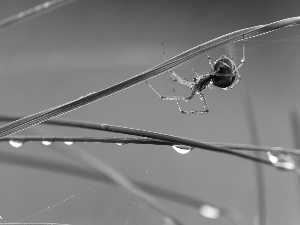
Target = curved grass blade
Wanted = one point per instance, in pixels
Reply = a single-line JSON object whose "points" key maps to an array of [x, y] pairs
{"points": [[149, 134], [49, 114]]}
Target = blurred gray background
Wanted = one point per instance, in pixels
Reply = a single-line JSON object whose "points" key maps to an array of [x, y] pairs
{"points": [[90, 45]]}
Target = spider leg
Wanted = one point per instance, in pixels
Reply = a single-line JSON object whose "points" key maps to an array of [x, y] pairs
{"points": [[209, 61], [180, 80], [243, 60], [174, 98], [202, 98], [176, 78]]}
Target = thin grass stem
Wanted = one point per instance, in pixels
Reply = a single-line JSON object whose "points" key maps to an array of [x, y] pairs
{"points": [[33, 12], [150, 141]]}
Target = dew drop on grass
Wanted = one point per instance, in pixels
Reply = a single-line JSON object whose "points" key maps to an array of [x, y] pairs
{"points": [[68, 142], [182, 149], [46, 4], [168, 221], [282, 160], [46, 142], [15, 144], [209, 211]]}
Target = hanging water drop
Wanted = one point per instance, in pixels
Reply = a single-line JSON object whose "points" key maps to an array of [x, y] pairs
{"points": [[68, 142], [46, 142], [273, 159], [182, 149], [282, 160], [15, 144], [209, 211], [119, 144]]}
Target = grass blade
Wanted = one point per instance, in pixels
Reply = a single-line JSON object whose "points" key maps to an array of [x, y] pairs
{"points": [[146, 141], [35, 11], [49, 114]]}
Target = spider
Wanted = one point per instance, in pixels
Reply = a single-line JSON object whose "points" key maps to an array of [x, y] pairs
{"points": [[224, 74]]}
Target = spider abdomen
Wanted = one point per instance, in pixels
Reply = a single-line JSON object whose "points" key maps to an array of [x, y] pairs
{"points": [[224, 72]]}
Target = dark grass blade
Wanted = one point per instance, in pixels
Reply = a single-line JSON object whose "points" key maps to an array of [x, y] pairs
{"points": [[147, 141], [159, 139], [230, 149], [49, 114], [159, 136]]}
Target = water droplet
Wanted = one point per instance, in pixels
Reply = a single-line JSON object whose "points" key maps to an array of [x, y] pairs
{"points": [[38, 7], [119, 144], [68, 142], [46, 142], [209, 212], [16, 144], [46, 4], [282, 160], [182, 149], [273, 159]]}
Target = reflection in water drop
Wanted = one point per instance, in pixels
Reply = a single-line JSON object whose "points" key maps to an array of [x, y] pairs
{"points": [[209, 212], [15, 144], [282, 160], [182, 149], [273, 159], [46, 142], [68, 142]]}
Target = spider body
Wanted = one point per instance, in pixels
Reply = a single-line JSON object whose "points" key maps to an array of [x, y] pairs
{"points": [[224, 72], [202, 82]]}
